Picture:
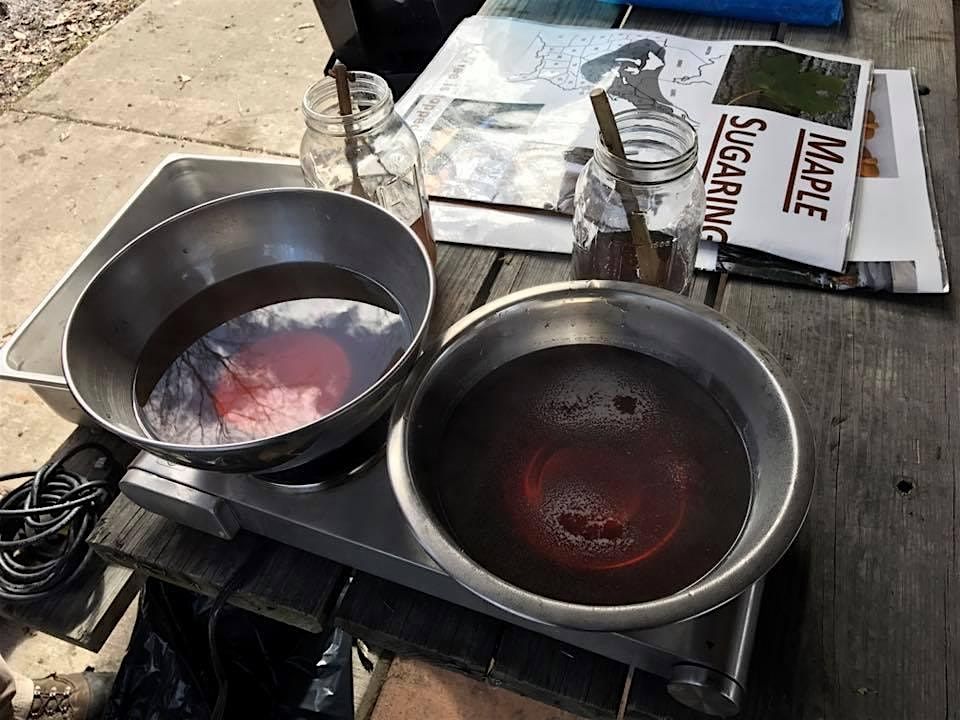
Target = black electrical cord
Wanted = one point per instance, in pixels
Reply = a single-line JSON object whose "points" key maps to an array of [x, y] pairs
{"points": [[44, 525], [249, 565]]}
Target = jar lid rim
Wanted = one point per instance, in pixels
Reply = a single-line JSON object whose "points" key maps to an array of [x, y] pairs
{"points": [[659, 120], [326, 89]]}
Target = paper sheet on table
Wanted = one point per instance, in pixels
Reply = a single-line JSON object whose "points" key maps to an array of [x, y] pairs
{"points": [[896, 243], [503, 118]]}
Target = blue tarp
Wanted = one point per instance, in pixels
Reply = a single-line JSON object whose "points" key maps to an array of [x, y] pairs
{"points": [[795, 12]]}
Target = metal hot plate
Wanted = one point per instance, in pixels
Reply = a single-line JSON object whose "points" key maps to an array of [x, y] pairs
{"points": [[359, 524], [337, 466]]}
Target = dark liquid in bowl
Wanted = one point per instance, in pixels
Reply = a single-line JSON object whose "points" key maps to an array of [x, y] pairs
{"points": [[229, 367], [594, 475]]}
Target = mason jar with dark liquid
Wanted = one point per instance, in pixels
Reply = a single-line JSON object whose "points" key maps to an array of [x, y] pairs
{"points": [[638, 218], [369, 152]]}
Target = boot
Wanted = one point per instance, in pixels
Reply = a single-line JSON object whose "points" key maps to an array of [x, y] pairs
{"points": [[80, 696]]}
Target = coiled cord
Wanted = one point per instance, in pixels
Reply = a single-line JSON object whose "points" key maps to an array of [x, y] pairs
{"points": [[44, 524]]}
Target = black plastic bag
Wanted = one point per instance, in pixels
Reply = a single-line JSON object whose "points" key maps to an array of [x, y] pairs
{"points": [[274, 671]]}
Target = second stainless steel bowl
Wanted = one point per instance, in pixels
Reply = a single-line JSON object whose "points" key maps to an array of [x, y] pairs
{"points": [[710, 349]]}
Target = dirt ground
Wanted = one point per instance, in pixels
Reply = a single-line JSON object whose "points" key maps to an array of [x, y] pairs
{"points": [[38, 36]]}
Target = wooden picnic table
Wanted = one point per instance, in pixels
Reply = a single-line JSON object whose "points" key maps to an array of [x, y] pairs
{"points": [[861, 619]]}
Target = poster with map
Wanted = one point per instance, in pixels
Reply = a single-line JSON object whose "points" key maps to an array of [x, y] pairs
{"points": [[505, 125], [899, 251]]}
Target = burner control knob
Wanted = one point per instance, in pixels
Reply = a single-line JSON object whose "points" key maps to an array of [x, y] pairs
{"points": [[705, 690]]}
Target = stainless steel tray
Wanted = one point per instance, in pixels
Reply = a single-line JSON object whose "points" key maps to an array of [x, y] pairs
{"points": [[32, 355]]}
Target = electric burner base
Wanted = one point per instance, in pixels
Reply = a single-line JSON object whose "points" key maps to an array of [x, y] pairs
{"points": [[358, 523]]}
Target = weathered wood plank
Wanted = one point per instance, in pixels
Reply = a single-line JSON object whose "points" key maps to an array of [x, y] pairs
{"points": [[286, 584], [461, 272], [410, 623], [649, 700], [85, 612], [697, 26], [862, 620], [558, 12], [558, 674], [520, 271]]}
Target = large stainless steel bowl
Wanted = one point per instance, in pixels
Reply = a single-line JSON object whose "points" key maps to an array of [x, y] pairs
{"points": [[167, 266], [739, 373]]}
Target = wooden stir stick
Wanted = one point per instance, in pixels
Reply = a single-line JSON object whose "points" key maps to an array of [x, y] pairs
{"points": [[646, 258], [342, 78]]}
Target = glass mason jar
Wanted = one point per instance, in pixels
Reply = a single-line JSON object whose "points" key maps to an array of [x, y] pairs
{"points": [[369, 152], [639, 219]]}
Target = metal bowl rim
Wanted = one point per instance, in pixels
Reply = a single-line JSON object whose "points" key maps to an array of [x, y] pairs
{"points": [[413, 348], [702, 596]]}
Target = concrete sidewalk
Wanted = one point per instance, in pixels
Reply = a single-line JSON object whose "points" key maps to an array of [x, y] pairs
{"points": [[206, 76], [211, 76]]}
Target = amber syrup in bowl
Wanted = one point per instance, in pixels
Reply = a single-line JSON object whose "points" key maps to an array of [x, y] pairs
{"points": [[594, 475]]}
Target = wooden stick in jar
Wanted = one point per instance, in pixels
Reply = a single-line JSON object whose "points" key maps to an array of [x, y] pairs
{"points": [[609, 132], [342, 78], [647, 260]]}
